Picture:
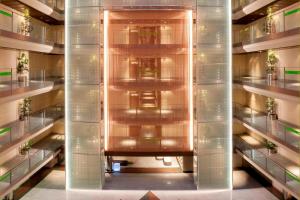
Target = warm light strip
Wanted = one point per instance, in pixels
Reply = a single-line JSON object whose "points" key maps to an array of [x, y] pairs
{"points": [[105, 79], [190, 75], [67, 98], [229, 92]]}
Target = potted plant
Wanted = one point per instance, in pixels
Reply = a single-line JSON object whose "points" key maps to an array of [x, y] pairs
{"points": [[22, 67], [24, 109], [271, 108], [24, 149], [268, 24], [272, 148], [25, 27], [271, 63]]}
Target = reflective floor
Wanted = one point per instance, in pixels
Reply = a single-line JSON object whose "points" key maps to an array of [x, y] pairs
{"points": [[164, 186]]}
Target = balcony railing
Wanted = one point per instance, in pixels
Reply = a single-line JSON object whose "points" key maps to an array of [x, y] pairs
{"points": [[44, 75], [16, 131], [283, 132], [170, 114], [281, 169], [153, 3], [287, 78], [11, 88], [55, 4], [238, 4], [280, 21], [13, 23], [16, 169]]}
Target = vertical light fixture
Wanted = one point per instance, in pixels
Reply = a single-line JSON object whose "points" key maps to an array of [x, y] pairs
{"points": [[229, 74], [105, 79], [190, 77], [67, 117]]}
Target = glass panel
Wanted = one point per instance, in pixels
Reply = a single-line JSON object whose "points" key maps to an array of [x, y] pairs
{"points": [[84, 152], [20, 171], [213, 95]]}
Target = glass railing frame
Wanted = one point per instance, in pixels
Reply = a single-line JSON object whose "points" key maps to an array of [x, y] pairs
{"points": [[27, 158], [267, 131], [60, 113], [43, 39], [286, 171], [251, 38]]}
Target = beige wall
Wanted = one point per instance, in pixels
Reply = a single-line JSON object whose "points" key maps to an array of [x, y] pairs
{"points": [[48, 99], [52, 64]]}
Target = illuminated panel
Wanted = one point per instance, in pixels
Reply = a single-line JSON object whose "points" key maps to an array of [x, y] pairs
{"points": [[213, 120], [148, 81], [83, 88]]}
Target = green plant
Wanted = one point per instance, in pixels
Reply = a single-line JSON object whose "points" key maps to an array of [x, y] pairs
{"points": [[271, 62], [268, 22], [25, 108], [25, 26], [22, 65], [25, 147], [270, 105], [270, 145]]}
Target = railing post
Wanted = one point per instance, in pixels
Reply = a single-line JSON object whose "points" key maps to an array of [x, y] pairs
{"points": [[284, 77], [11, 79], [10, 136], [43, 117], [267, 129], [44, 75]]}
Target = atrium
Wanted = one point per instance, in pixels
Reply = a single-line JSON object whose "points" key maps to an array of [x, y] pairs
{"points": [[160, 99]]}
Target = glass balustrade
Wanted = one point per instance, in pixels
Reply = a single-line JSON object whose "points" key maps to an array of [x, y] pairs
{"points": [[12, 83], [281, 169], [40, 32], [14, 170], [281, 21], [239, 4], [281, 131], [153, 3], [54, 75], [13, 132], [285, 78], [58, 5], [7, 77]]}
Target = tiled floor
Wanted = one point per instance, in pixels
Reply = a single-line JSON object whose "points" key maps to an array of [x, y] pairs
{"points": [[133, 187], [158, 181]]}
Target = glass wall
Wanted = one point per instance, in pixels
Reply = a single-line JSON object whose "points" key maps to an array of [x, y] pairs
{"points": [[84, 58], [212, 91]]}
